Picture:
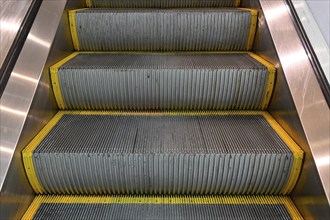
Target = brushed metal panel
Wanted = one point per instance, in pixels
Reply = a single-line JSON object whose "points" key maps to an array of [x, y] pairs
{"points": [[12, 14], [27, 103], [309, 101], [301, 112]]}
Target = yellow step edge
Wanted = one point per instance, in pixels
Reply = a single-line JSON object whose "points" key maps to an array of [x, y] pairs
{"points": [[298, 153], [270, 81], [89, 3], [28, 151], [165, 52], [73, 27], [171, 199], [253, 27], [55, 81]]}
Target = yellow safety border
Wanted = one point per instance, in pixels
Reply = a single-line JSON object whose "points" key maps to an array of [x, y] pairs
{"points": [[171, 199], [298, 153], [270, 81], [89, 3], [238, 2], [73, 27], [253, 27], [55, 81], [28, 151]]}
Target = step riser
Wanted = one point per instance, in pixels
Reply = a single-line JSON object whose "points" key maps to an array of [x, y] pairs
{"points": [[170, 82], [163, 30], [161, 3], [162, 174], [230, 153]]}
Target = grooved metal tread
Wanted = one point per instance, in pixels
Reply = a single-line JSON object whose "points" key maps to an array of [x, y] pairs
{"points": [[162, 207], [176, 81], [98, 153], [161, 3], [199, 29]]}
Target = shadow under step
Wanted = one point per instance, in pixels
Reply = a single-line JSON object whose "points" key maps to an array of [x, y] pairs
{"points": [[162, 153]]}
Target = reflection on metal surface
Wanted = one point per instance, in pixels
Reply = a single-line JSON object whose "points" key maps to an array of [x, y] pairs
{"points": [[39, 41], [276, 13], [6, 150], [294, 58], [308, 195], [11, 111], [323, 161], [7, 26], [314, 34], [309, 102], [22, 77], [29, 91], [23, 85], [12, 14]]}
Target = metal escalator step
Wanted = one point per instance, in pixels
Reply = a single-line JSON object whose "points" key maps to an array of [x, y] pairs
{"points": [[151, 81], [162, 207], [162, 153], [204, 29], [161, 3]]}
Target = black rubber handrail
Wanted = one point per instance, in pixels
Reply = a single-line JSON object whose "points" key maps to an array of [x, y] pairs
{"points": [[16, 47], [323, 82]]}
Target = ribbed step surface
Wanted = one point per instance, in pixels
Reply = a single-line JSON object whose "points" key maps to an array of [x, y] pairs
{"points": [[228, 153], [208, 29], [209, 81], [165, 208], [161, 3]]}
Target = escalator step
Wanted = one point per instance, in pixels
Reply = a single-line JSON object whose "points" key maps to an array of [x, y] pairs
{"points": [[162, 207], [204, 29], [162, 153], [171, 81], [161, 3]]}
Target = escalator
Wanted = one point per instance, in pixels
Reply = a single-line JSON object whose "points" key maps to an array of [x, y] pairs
{"points": [[163, 115], [153, 109]]}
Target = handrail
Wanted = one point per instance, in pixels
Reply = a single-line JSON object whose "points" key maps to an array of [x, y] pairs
{"points": [[16, 47], [320, 75]]}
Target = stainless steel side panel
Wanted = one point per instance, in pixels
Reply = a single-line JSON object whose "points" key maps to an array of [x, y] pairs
{"points": [[297, 103], [12, 14], [27, 104]]}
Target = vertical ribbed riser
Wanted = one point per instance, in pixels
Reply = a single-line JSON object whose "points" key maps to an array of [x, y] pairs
{"points": [[162, 174], [172, 89], [163, 30], [162, 3]]}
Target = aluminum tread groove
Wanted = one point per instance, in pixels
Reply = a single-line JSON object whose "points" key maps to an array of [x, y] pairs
{"points": [[162, 207], [161, 81], [202, 29], [159, 154], [161, 211]]}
